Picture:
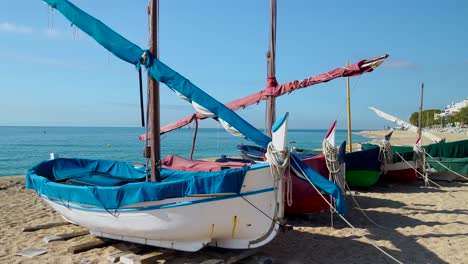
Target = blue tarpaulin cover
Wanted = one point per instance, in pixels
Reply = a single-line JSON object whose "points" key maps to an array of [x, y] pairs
{"points": [[43, 178]]}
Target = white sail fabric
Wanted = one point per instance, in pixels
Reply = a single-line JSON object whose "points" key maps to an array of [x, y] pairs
{"points": [[202, 110], [404, 124], [230, 128]]}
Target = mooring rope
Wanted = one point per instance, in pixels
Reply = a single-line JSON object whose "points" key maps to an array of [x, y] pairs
{"points": [[421, 163], [424, 176], [280, 161], [347, 222], [362, 210], [456, 173], [385, 154], [331, 160]]}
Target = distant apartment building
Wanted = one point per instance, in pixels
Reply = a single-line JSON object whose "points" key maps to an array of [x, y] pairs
{"points": [[452, 109]]}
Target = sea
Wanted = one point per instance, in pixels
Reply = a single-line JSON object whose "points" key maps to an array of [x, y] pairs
{"points": [[21, 146]]}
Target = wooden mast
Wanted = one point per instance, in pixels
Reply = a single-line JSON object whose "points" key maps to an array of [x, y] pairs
{"points": [[420, 111], [153, 94], [271, 102], [348, 103]]}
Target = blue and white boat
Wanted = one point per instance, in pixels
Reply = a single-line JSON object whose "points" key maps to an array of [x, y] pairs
{"points": [[185, 210]]}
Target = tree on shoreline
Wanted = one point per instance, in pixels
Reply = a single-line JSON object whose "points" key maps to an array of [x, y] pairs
{"points": [[463, 115], [428, 118]]}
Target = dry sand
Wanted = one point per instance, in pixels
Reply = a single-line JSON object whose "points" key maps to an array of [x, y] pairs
{"points": [[408, 138], [421, 225]]}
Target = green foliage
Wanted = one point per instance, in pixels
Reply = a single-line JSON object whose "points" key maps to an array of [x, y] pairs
{"points": [[462, 116], [427, 118]]}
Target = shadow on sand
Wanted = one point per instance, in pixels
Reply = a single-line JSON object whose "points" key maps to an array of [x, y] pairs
{"points": [[299, 246]]}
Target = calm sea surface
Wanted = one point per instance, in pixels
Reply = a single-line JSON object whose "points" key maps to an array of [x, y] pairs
{"points": [[22, 147]]}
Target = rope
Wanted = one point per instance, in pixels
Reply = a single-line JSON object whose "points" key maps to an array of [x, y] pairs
{"points": [[421, 163], [265, 214], [362, 210], [456, 173], [194, 138], [279, 161], [348, 223], [385, 154], [331, 160], [424, 176]]}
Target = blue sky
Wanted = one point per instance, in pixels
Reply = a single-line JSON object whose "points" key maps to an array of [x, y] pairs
{"points": [[53, 74]]}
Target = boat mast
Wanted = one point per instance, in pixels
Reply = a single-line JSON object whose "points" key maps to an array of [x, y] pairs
{"points": [[271, 102], [348, 103], [420, 111], [153, 94]]}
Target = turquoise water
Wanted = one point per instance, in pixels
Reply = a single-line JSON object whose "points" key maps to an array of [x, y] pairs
{"points": [[21, 147]]}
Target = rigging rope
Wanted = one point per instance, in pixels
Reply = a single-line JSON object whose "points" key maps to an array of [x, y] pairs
{"points": [[424, 176], [421, 163], [348, 223], [385, 155], [279, 161], [331, 160], [456, 173]]}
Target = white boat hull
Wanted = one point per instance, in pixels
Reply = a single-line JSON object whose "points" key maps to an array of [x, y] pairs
{"points": [[190, 223]]}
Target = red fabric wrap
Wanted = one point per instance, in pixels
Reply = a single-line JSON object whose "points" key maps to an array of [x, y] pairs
{"points": [[174, 162], [273, 89]]}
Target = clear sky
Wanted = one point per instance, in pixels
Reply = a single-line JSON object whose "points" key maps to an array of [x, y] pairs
{"points": [[53, 74]]}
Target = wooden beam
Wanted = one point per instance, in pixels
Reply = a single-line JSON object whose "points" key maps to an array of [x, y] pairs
{"points": [[150, 257], [45, 226], [65, 236], [90, 245], [241, 255], [133, 248], [213, 261]]}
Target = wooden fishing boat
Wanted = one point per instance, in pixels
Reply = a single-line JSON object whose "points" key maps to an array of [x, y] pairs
{"points": [[362, 167], [174, 208], [446, 160], [398, 162]]}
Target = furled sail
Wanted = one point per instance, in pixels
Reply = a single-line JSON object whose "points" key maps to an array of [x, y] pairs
{"points": [[281, 89], [404, 124]]}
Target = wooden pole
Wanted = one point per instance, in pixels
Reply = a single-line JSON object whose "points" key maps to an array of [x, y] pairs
{"points": [[153, 88], [271, 54], [348, 103], [420, 111]]}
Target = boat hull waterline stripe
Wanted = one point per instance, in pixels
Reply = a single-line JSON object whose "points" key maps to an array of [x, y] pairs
{"points": [[155, 207]]}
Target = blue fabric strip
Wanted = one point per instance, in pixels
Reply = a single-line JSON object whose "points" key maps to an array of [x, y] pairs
{"points": [[128, 51], [174, 80], [322, 184], [108, 38]]}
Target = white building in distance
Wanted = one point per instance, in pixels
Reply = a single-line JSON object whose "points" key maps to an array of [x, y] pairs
{"points": [[452, 109]]}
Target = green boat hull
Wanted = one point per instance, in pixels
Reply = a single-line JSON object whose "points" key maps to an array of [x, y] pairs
{"points": [[362, 178]]}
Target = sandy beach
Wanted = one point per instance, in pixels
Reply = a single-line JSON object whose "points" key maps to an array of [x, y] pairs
{"points": [[408, 138], [419, 225], [415, 224]]}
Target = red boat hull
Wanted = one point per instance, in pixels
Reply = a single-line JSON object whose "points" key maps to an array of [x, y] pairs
{"points": [[400, 172], [305, 198]]}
